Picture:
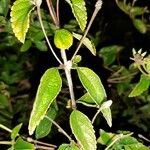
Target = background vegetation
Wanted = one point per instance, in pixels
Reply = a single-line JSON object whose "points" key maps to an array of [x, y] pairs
{"points": [[115, 32]]}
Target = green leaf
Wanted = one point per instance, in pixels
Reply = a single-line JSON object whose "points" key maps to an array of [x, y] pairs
{"points": [[86, 98], [68, 147], [92, 84], [4, 7], [49, 88], [106, 138], [142, 86], [63, 39], [137, 11], [79, 11], [140, 25], [27, 44], [107, 115], [41, 45], [20, 13], [23, 145], [44, 128], [15, 131], [83, 130], [86, 42], [4, 103], [109, 53]]}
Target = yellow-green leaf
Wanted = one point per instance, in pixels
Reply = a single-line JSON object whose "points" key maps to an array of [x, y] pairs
{"points": [[20, 13], [79, 11], [87, 43], [63, 39], [83, 130], [50, 86]]}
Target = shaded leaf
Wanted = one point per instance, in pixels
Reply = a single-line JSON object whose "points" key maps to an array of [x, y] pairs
{"points": [[63, 39], [15, 131], [23, 145], [92, 84], [44, 128], [86, 98], [142, 86], [140, 25], [49, 88], [4, 7], [20, 13], [109, 53], [83, 130], [87, 43], [79, 11], [27, 44], [41, 45]]}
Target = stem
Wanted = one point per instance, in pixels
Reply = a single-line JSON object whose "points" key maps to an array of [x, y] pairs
{"points": [[98, 111], [6, 142], [5, 128], [42, 26], [57, 10], [52, 13], [44, 147], [97, 8], [40, 143], [59, 128], [69, 78]]}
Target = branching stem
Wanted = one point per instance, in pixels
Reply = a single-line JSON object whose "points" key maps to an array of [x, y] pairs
{"points": [[97, 8], [47, 40], [67, 68]]}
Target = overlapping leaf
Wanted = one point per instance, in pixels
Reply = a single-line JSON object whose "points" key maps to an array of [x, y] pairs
{"points": [[87, 43], [92, 84], [20, 13], [48, 89]]}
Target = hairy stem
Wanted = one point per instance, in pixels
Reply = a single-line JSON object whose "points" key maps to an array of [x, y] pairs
{"points": [[47, 40], [59, 128], [97, 8], [57, 11], [69, 78]]}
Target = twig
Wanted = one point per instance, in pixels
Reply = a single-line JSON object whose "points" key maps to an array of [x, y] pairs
{"points": [[59, 128], [44, 147], [52, 13], [57, 11], [97, 8], [5, 128], [98, 111], [41, 143], [6, 142]]}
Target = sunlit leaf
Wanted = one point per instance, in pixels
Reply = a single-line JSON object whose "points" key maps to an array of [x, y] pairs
{"points": [[83, 130], [50, 86], [107, 115], [20, 13], [92, 84], [87, 43], [63, 39], [44, 128], [23, 145], [79, 11], [142, 86], [15, 131]]}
